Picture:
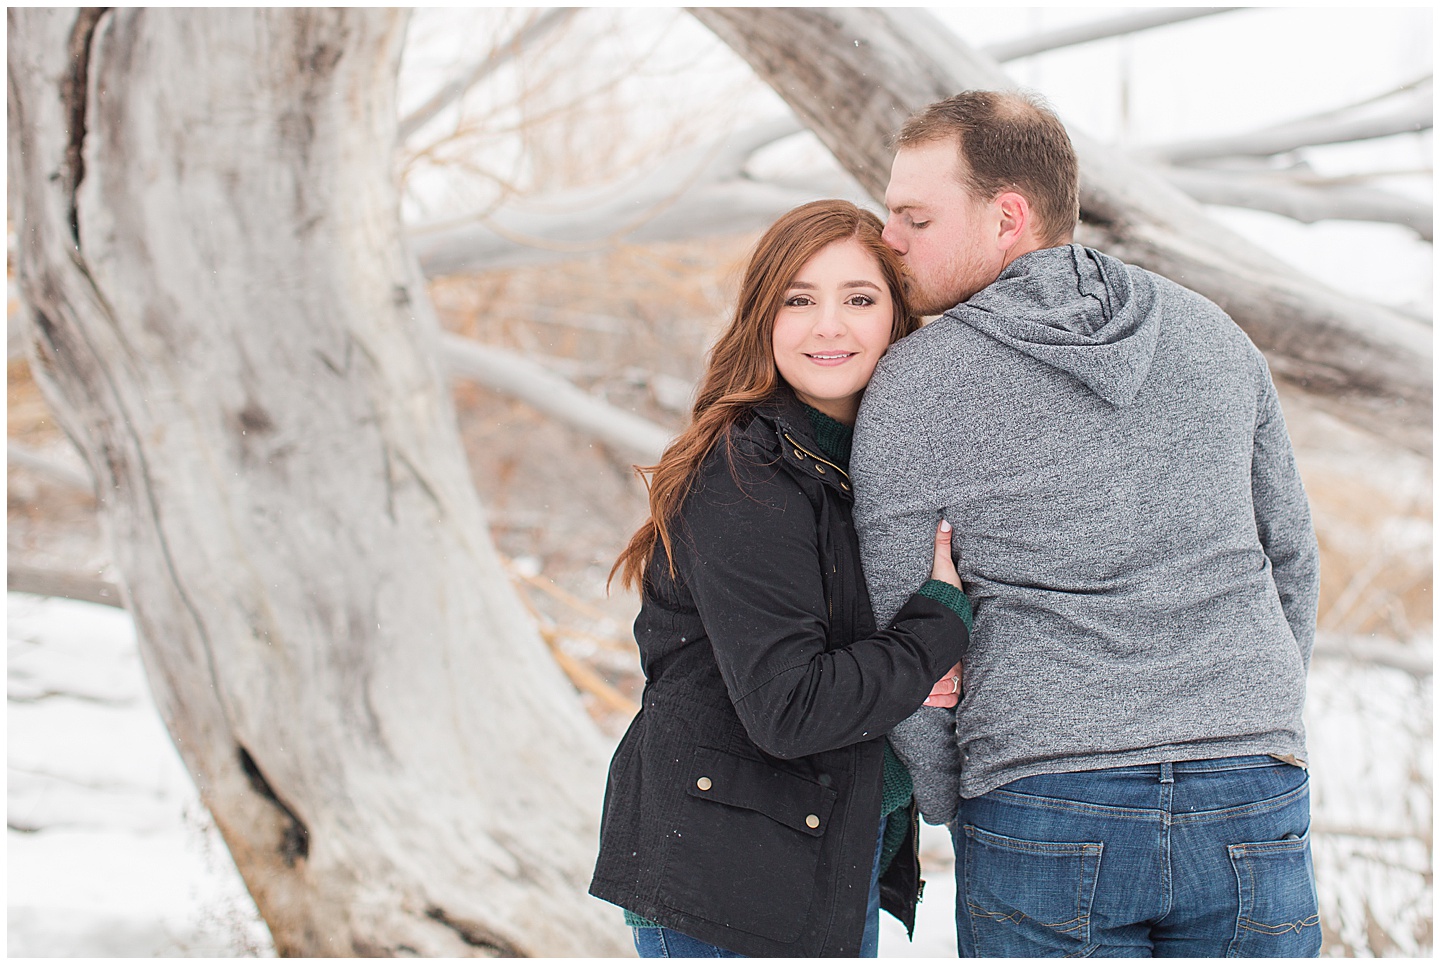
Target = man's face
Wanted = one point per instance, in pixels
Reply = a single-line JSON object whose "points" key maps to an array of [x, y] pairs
{"points": [[946, 238]]}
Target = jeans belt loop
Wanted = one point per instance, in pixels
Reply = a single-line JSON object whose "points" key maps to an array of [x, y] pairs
{"points": [[1167, 773]]}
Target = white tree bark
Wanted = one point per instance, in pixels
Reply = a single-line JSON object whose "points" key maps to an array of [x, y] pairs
{"points": [[854, 74], [228, 325]]}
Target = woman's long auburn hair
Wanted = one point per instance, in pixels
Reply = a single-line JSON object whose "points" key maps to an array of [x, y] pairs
{"points": [[741, 371]]}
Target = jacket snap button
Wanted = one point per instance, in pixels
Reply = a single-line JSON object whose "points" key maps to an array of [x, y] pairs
{"points": [[703, 784], [820, 469], [811, 821], [845, 487], [799, 454]]}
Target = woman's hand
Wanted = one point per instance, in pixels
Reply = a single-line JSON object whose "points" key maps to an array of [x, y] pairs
{"points": [[943, 569], [946, 692]]}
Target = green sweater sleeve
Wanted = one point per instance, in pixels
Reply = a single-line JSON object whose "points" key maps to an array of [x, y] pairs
{"points": [[950, 596]]}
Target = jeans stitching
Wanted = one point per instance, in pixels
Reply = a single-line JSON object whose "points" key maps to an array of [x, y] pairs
{"points": [[1241, 810], [1219, 765], [1077, 927], [1244, 923], [1060, 804], [1152, 814]]}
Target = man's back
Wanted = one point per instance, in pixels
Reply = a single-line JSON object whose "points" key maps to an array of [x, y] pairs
{"points": [[1128, 520]]}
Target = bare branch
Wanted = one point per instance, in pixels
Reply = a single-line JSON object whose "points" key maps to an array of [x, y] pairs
{"points": [[1303, 202], [70, 586], [498, 56], [18, 455], [703, 191], [1417, 661], [1074, 34], [1411, 113], [517, 376]]}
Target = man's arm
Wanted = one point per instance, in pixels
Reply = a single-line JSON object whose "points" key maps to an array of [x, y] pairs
{"points": [[1282, 519], [897, 504], [896, 500]]}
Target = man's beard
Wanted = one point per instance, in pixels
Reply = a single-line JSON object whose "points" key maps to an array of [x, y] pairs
{"points": [[925, 300]]}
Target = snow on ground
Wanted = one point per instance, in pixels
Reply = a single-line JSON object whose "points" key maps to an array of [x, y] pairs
{"points": [[111, 854], [109, 851]]}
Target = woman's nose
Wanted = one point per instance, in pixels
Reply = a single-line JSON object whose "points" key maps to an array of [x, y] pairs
{"points": [[831, 322]]}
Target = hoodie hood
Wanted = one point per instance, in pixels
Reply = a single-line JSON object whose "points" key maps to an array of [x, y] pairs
{"points": [[1080, 311]]}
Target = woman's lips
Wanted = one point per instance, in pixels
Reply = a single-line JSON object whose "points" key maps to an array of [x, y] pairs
{"points": [[829, 358]]}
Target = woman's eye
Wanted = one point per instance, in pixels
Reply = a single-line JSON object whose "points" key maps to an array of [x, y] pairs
{"points": [[860, 300], [798, 301]]}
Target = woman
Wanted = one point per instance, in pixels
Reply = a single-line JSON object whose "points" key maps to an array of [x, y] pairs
{"points": [[743, 812]]}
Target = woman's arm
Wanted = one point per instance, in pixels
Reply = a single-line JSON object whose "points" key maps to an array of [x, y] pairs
{"points": [[749, 553]]}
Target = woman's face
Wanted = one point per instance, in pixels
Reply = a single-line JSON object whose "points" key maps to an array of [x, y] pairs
{"points": [[833, 327]]}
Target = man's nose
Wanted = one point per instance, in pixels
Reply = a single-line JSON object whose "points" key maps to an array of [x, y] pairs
{"points": [[891, 236]]}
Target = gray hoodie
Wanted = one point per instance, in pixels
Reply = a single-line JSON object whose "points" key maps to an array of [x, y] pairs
{"points": [[1129, 524]]}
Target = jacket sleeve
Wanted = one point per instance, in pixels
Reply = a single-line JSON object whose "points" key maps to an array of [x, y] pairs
{"points": [[1282, 519], [749, 552]]}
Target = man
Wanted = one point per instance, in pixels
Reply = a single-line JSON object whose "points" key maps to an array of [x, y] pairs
{"points": [[1125, 772]]}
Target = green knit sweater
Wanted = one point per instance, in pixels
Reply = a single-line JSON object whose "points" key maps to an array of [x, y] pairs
{"points": [[834, 439]]}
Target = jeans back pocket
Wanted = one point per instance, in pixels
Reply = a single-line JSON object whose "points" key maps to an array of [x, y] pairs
{"points": [[1279, 907], [1024, 896]]}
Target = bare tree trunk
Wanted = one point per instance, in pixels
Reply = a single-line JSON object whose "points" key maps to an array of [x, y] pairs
{"points": [[228, 325], [854, 74]]}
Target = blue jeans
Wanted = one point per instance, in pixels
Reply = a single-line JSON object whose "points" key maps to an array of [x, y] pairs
{"points": [[870, 940], [668, 943], [1197, 859]]}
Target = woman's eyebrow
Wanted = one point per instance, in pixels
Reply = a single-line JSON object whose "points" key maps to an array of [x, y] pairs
{"points": [[857, 283]]}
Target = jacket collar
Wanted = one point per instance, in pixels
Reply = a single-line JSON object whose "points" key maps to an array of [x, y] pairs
{"points": [[788, 433]]}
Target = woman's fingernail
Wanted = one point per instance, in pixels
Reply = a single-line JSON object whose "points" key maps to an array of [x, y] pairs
{"points": [[944, 525]]}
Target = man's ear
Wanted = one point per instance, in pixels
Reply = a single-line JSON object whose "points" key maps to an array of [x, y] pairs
{"points": [[1015, 219]]}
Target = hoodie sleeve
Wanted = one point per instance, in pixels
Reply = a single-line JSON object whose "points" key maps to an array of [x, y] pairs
{"points": [[896, 511], [1282, 519], [896, 506]]}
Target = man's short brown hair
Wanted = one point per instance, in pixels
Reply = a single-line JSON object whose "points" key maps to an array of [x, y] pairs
{"points": [[1008, 141]]}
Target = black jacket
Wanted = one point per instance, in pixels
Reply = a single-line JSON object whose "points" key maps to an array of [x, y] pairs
{"points": [[744, 800]]}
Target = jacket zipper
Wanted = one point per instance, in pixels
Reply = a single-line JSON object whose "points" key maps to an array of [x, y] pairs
{"points": [[829, 603], [915, 847], [800, 448]]}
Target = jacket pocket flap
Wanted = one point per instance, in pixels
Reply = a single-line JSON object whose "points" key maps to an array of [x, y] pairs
{"points": [[758, 786]]}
